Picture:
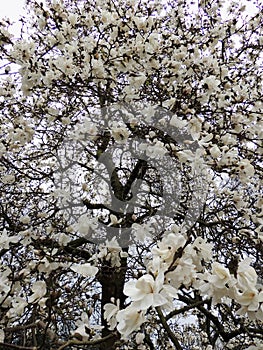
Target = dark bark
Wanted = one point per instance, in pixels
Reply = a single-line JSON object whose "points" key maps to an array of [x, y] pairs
{"points": [[112, 281]]}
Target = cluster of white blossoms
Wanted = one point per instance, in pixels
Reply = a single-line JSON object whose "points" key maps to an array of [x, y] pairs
{"points": [[155, 150], [242, 287], [176, 263], [112, 252], [120, 133], [85, 224]]}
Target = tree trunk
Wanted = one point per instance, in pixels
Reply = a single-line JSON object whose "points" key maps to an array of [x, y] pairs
{"points": [[112, 281]]}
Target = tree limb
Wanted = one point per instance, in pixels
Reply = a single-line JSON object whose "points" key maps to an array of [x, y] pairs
{"points": [[168, 329]]}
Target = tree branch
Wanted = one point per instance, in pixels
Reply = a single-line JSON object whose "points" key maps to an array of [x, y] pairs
{"points": [[168, 329], [88, 342], [184, 309], [12, 346]]}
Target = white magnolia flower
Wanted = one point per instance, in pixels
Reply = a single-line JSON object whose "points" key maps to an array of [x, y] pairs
{"points": [[83, 326], [229, 157], [259, 313], [143, 231], [177, 122], [5, 284], [199, 250], [205, 141], [246, 169], [195, 127], [207, 289], [220, 276], [114, 220], [2, 336], [184, 273], [18, 307], [139, 338], [155, 150], [27, 236], [25, 219], [211, 83], [129, 320], [185, 156], [5, 240], [138, 80], [63, 195], [246, 275], [111, 251], [86, 270], [146, 291], [168, 247], [47, 266], [110, 313], [228, 139], [2, 149], [39, 289], [85, 224], [63, 239], [148, 112], [8, 179], [120, 134], [141, 22], [215, 151], [250, 298]]}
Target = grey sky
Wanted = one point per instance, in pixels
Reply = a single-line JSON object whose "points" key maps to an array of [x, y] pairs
{"points": [[11, 8]]}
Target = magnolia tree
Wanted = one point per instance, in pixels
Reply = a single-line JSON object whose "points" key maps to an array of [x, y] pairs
{"points": [[131, 176]]}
